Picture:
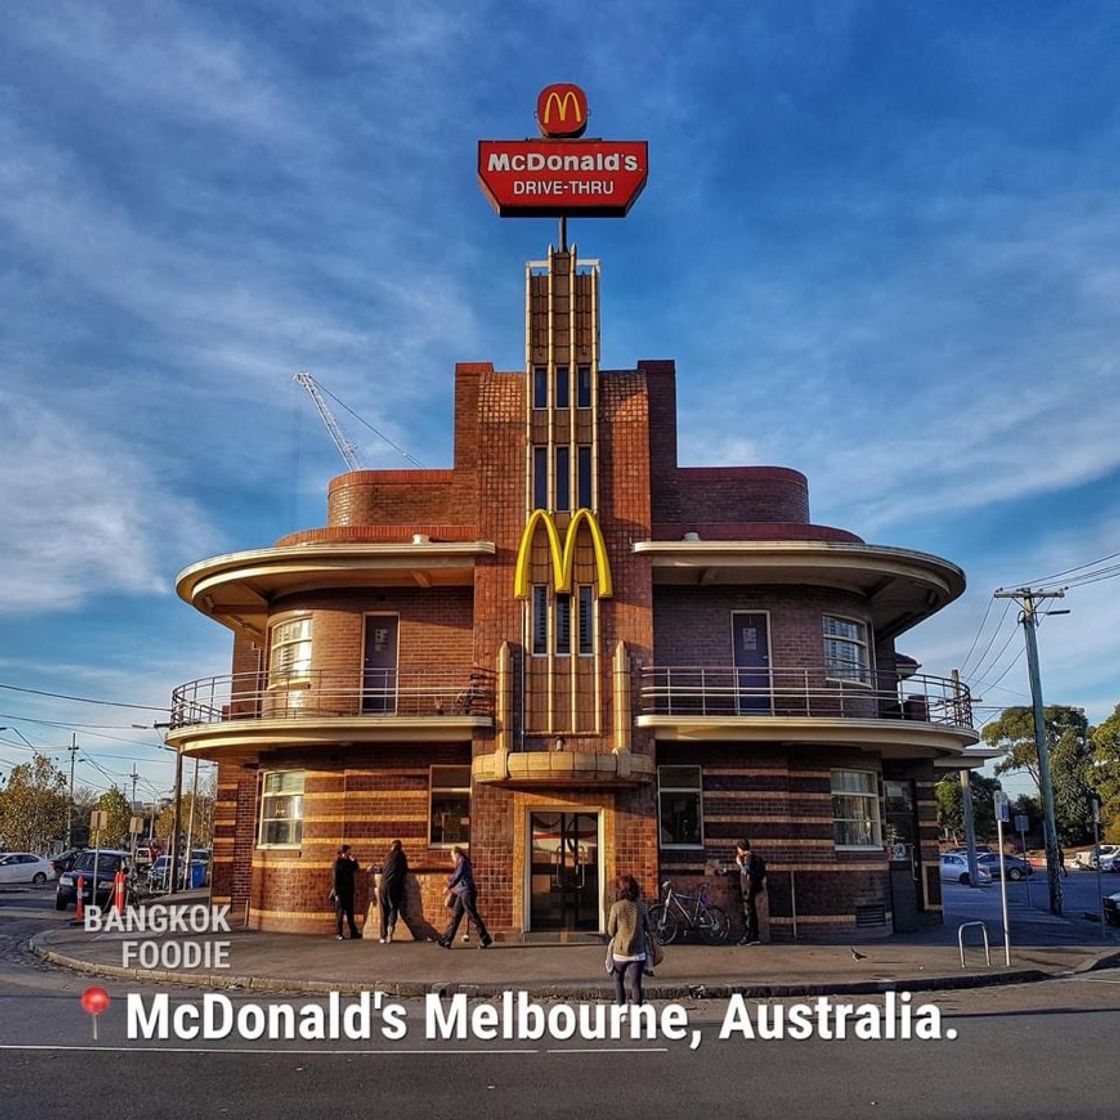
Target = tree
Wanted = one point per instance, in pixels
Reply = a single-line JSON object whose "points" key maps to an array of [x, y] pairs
{"points": [[117, 806], [1071, 761], [33, 806], [202, 826], [950, 805], [1106, 756]]}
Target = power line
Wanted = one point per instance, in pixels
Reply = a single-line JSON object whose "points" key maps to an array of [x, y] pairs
{"points": [[83, 699], [979, 631], [991, 640], [982, 674], [1076, 568], [381, 435]]}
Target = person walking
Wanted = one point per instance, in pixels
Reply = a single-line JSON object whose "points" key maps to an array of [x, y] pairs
{"points": [[464, 901], [752, 882], [343, 874], [628, 929], [390, 892]]}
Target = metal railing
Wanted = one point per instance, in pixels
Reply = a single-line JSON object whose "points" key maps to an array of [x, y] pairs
{"points": [[323, 693], [806, 691]]}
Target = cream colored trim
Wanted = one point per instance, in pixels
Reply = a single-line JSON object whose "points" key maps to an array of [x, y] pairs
{"points": [[900, 738]]}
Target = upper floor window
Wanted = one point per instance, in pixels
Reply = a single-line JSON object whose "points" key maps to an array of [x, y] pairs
{"points": [[281, 809], [562, 387], [540, 387], [583, 477], [563, 625], [679, 798], [449, 805], [855, 809], [540, 478], [586, 620], [563, 481], [540, 620], [583, 387], [846, 652], [289, 655]]}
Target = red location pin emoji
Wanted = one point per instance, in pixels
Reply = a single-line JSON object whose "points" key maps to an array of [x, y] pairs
{"points": [[94, 1002]]}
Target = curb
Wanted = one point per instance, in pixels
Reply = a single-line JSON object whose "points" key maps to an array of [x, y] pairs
{"points": [[574, 990]]}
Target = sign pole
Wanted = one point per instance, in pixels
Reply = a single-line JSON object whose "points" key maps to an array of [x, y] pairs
{"points": [[1002, 814], [1097, 859]]}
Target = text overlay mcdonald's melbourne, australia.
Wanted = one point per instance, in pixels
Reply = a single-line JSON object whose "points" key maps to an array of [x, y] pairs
{"points": [[561, 174]]}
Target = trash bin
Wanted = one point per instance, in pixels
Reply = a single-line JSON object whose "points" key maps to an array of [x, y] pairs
{"points": [[198, 873]]}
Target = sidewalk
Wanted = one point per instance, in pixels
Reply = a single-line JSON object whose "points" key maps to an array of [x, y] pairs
{"points": [[289, 963]]}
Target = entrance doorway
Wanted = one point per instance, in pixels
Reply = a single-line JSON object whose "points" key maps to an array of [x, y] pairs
{"points": [[751, 634], [564, 871], [379, 667]]}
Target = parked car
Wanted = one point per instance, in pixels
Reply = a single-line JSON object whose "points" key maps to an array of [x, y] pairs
{"points": [[24, 867], [1088, 858], [954, 869], [1112, 909], [65, 861], [159, 873], [146, 856], [981, 849], [1110, 862], [1016, 868], [109, 862]]}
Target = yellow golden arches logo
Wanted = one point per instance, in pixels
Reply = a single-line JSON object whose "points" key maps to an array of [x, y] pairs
{"points": [[562, 110], [563, 560]]}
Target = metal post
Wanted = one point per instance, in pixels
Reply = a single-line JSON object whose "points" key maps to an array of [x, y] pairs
{"points": [[73, 748], [1000, 811], [1023, 845], [190, 826], [176, 821], [132, 808], [1050, 831], [1097, 860]]}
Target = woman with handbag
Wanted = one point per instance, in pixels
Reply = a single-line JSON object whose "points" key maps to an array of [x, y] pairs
{"points": [[462, 897], [631, 941]]}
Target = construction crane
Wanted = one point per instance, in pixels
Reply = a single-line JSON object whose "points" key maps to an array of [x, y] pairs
{"points": [[342, 441]]}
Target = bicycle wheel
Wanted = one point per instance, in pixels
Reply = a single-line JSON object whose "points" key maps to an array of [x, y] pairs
{"points": [[713, 925], [663, 923]]}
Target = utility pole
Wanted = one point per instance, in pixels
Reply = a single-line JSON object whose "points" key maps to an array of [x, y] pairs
{"points": [[1028, 599], [132, 809], [966, 808], [176, 821], [73, 749]]}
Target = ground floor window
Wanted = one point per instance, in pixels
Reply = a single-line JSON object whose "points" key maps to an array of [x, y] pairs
{"points": [[855, 809], [449, 806], [281, 809], [679, 790]]}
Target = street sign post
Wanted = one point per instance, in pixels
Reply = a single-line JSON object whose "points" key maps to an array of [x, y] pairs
{"points": [[1096, 802], [98, 820], [1003, 816]]}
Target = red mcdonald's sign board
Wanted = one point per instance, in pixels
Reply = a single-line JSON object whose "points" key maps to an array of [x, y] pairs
{"points": [[561, 175]]}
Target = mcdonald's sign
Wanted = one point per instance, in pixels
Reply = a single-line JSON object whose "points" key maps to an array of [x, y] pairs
{"points": [[563, 558], [562, 110], [559, 174]]}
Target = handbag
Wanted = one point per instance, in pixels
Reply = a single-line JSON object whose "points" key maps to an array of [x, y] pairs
{"points": [[449, 900], [656, 952]]}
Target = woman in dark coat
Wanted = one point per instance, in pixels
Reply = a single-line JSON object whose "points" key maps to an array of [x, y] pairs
{"points": [[390, 895]]}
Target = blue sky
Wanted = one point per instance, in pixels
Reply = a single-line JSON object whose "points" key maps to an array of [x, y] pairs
{"points": [[880, 241]]}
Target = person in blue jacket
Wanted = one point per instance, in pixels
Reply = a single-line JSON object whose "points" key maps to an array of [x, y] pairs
{"points": [[463, 900]]}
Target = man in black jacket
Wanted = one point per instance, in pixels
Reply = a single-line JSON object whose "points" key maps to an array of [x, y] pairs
{"points": [[342, 890], [752, 879], [390, 892]]}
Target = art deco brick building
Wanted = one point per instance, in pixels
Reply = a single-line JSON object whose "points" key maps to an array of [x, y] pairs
{"points": [[580, 659]]}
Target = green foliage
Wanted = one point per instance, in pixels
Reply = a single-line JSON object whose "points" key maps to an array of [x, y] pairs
{"points": [[950, 805], [114, 802], [1071, 761], [1106, 756], [33, 806]]}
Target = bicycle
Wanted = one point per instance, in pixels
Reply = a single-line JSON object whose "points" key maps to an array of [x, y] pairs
{"points": [[687, 913]]}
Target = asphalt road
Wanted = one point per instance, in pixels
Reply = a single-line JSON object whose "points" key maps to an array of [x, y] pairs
{"points": [[1043, 1050]]}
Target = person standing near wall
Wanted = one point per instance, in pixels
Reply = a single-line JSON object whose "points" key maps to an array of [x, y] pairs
{"points": [[752, 882], [628, 929], [343, 874], [390, 894]]}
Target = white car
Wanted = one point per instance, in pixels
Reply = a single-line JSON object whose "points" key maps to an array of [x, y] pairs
{"points": [[1088, 858], [23, 867], [954, 869]]}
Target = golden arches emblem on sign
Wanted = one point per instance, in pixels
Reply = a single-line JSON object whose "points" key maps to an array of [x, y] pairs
{"points": [[563, 558], [562, 103]]}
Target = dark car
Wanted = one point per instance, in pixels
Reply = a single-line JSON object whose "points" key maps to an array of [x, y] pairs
{"points": [[1015, 867], [1112, 909], [109, 862], [65, 861]]}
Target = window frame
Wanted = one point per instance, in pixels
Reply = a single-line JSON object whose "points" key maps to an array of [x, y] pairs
{"points": [[698, 790], [562, 478], [584, 480], [540, 476], [875, 798], [581, 372], [867, 666], [263, 799], [540, 381], [291, 679], [563, 381], [446, 845]]}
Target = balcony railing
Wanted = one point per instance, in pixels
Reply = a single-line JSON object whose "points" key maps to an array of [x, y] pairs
{"points": [[814, 692], [327, 693]]}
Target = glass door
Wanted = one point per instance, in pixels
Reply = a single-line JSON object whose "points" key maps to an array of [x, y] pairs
{"points": [[564, 871]]}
